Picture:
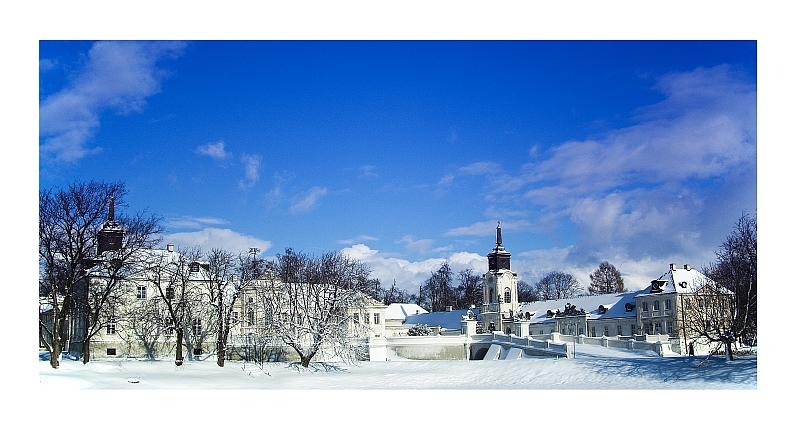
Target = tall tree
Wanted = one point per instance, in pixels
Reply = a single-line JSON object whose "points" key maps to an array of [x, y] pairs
{"points": [[437, 293], [606, 279], [558, 285], [724, 309], [310, 303], [69, 220], [470, 289], [526, 293], [177, 277]]}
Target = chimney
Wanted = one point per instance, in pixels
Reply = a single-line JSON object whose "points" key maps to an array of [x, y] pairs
{"points": [[449, 309], [672, 267], [170, 247], [687, 267]]}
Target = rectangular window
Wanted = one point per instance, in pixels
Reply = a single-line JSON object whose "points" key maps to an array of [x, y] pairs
{"points": [[355, 318], [619, 330], [669, 327], [656, 306], [141, 292], [197, 327], [633, 329], [377, 318], [111, 351], [605, 331], [111, 328], [170, 293], [366, 318], [658, 328], [594, 333], [644, 306], [667, 304], [235, 317], [197, 351]]}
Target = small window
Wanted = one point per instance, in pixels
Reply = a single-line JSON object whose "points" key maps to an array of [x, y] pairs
{"points": [[169, 325], [141, 292], [658, 328], [619, 330], [594, 333], [633, 329], [670, 328], [377, 318], [111, 328], [235, 317], [355, 318], [656, 305], [667, 304], [111, 351], [194, 267], [251, 317], [507, 295], [170, 293], [197, 351], [197, 327], [605, 331], [644, 307]]}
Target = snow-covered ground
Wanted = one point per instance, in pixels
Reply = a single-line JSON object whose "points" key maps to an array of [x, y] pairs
{"points": [[598, 382], [594, 368]]}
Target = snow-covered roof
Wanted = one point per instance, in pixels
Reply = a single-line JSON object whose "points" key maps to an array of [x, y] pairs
{"points": [[402, 310], [446, 320], [678, 280], [613, 303]]}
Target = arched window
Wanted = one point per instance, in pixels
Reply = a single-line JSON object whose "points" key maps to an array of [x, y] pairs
{"points": [[491, 295], [507, 295], [644, 306], [656, 305]]}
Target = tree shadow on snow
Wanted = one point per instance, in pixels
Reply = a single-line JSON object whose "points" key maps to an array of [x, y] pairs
{"points": [[714, 369], [316, 367]]}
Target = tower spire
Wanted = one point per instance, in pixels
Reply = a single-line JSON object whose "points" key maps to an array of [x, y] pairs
{"points": [[499, 235], [111, 210]]}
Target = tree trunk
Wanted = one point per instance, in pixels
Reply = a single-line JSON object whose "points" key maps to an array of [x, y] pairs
{"points": [[179, 347], [220, 350], [305, 360], [85, 349], [55, 353], [728, 350]]}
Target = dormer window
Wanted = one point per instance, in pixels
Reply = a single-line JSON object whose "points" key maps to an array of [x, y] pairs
{"points": [[602, 309]]}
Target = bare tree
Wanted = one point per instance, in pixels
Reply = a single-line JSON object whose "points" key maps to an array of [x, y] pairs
{"points": [[722, 307], [177, 278], [526, 293], [68, 223], [557, 285], [469, 290], [310, 302], [437, 292], [104, 293], [228, 279], [606, 279]]}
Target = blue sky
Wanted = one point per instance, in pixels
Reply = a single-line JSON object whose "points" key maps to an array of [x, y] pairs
{"points": [[404, 154]]}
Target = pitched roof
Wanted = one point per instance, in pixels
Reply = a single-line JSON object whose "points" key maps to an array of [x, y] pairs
{"points": [[402, 310], [614, 304], [678, 280]]}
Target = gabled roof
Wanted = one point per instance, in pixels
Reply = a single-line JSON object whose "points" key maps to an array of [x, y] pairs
{"points": [[679, 280], [401, 311]]}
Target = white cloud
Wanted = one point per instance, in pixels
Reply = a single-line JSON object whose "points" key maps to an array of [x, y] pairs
{"points": [[193, 222], [215, 150], [252, 164], [309, 201], [486, 228], [419, 246], [410, 275], [356, 240], [117, 76], [210, 238]]}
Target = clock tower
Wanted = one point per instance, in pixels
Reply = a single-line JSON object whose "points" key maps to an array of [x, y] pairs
{"points": [[499, 289]]}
